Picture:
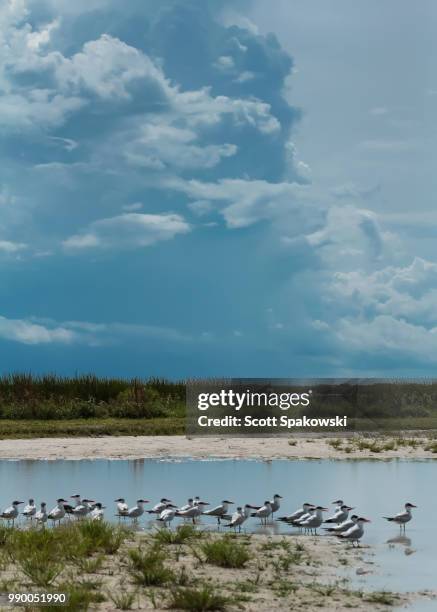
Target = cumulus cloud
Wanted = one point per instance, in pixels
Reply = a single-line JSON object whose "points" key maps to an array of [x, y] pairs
{"points": [[160, 146], [408, 293], [350, 236], [388, 336], [245, 202], [128, 231]]}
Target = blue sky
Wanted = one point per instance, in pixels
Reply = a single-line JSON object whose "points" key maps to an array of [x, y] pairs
{"points": [[192, 188]]}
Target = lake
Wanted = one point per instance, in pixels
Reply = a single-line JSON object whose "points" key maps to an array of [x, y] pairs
{"points": [[375, 488]]}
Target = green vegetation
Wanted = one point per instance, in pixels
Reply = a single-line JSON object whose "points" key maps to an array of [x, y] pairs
{"points": [[182, 534], [51, 406], [197, 600], [102, 566], [47, 398], [382, 597], [122, 599], [225, 552], [147, 567], [170, 426]]}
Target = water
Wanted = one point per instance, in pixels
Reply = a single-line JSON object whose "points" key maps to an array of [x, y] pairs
{"points": [[375, 488]]}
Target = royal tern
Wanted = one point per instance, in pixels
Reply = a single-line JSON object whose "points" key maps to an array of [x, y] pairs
{"points": [[58, 512], [219, 511], [403, 517], [138, 510], [167, 515], [355, 533], [84, 508], [344, 526], [77, 502], [340, 515], [98, 512], [41, 515], [30, 509], [193, 512], [160, 506], [275, 503], [122, 507], [239, 517], [11, 513], [298, 514], [189, 504], [262, 512], [298, 522], [313, 522]]}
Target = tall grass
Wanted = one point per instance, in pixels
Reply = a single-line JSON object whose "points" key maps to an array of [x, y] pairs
{"points": [[24, 396]]}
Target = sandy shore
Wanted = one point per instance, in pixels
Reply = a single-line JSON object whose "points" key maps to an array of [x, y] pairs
{"points": [[129, 447], [280, 573]]}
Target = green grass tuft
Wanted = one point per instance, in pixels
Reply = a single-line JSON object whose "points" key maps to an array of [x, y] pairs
{"points": [[225, 552], [198, 600], [147, 568]]}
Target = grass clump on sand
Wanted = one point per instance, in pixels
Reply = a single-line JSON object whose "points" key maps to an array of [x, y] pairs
{"points": [[182, 535], [382, 597], [81, 596], [102, 536], [147, 568], [122, 599], [38, 554], [198, 599], [225, 552]]}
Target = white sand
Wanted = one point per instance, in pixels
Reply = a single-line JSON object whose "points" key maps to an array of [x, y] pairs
{"points": [[130, 447]]}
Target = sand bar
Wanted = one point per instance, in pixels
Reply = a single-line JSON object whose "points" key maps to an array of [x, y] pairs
{"points": [[130, 447]]}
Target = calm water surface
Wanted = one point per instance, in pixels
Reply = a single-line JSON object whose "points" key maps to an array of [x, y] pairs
{"points": [[375, 488]]}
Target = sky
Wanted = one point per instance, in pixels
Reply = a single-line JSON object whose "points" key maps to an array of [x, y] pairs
{"points": [[196, 188]]}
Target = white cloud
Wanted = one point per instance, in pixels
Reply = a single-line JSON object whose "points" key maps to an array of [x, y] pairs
{"points": [[245, 76], [201, 207], [108, 67], [27, 332], [126, 231], [224, 62], [349, 237], [408, 293], [390, 336], [9, 247], [39, 108], [159, 146], [245, 202], [33, 331], [66, 143]]}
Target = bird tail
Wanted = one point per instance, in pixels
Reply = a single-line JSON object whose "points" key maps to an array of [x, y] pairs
{"points": [[388, 518], [253, 514]]}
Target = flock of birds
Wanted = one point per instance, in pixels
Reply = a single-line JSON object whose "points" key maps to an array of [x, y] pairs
{"points": [[307, 519]]}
